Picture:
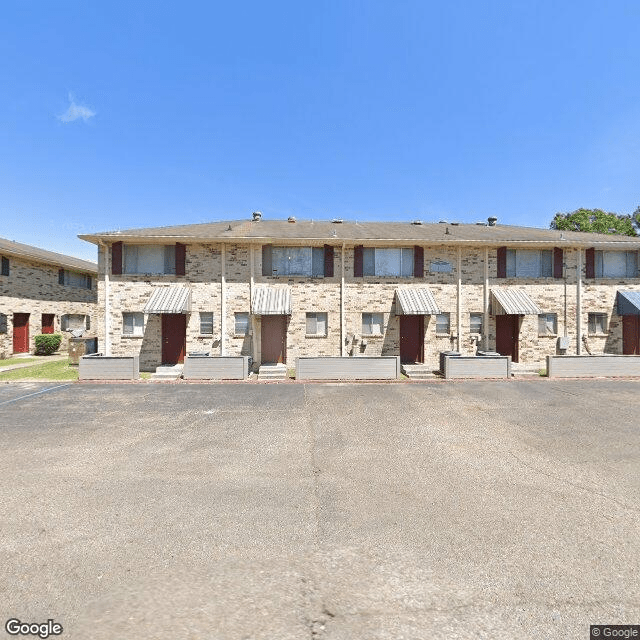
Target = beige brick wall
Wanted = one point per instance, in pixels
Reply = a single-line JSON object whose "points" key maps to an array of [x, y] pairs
{"points": [[32, 287]]}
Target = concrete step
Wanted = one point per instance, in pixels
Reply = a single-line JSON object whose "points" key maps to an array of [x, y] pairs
{"points": [[168, 372], [272, 372], [418, 372]]}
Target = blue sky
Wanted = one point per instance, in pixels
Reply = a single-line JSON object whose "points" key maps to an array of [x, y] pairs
{"points": [[119, 115]]}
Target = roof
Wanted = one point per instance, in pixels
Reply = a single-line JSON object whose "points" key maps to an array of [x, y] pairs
{"points": [[513, 301], [11, 248], [416, 301], [360, 232], [169, 300], [269, 301]]}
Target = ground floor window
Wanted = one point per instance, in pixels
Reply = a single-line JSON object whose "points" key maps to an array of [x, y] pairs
{"points": [[241, 327], [74, 322], [3, 323], [316, 324], [206, 323], [133, 324], [443, 323], [475, 323], [547, 324], [597, 323], [372, 324]]}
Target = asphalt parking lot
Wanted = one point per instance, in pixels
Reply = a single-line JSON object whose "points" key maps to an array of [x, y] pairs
{"points": [[352, 512]]}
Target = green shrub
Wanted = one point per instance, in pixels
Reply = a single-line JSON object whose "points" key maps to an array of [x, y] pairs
{"points": [[47, 343]]}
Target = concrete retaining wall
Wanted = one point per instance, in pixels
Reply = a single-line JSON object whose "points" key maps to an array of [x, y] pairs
{"points": [[336, 368], [592, 366], [216, 368], [477, 367], [99, 367]]}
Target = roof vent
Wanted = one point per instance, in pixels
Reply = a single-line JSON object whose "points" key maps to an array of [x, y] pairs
{"points": [[443, 222], [492, 221], [416, 222], [337, 221], [455, 224], [256, 216], [291, 219]]}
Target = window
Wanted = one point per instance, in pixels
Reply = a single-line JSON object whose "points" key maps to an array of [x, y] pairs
{"points": [[475, 323], [526, 263], [387, 262], [443, 323], [616, 264], [206, 323], [293, 261], [440, 266], [597, 323], [133, 324], [316, 324], [3, 323], [149, 259], [372, 324], [5, 266], [74, 279], [547, 324], [74, 322], [241, 324]]}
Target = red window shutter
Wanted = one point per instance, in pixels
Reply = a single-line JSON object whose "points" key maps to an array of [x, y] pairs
{"points": [[328, 261], [591, 262], [558, 255], [418, 262], [502, 262], [358, 261], [181, 258], [116, 258]]}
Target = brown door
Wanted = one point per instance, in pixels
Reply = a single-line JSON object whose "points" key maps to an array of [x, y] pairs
{"points": [[174, 337], [20, 333], [273, 337], [411, 339], [631, 335], [47, 322], [507, 335]]}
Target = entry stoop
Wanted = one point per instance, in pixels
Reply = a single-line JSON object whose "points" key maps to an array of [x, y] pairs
{"points": [[418, 372], [168, 372], [272, 372]]}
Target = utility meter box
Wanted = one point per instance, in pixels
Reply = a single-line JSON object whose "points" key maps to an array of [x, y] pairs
{"points": [[564, 342]]}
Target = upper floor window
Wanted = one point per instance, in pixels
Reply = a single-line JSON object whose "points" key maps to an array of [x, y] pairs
{"points": [[387, 262], [311, 262], [74, 279], [151, 259], [527, 263], [5, 266], [616, 264]]}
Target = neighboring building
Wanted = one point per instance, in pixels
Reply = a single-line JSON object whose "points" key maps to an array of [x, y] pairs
{"points": [[42, 292], [277, 289]]}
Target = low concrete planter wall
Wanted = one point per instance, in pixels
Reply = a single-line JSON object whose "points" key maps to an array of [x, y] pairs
{"points": [[216, 368], [592, 366], [477, 367], [99, 367], [357, 368]]}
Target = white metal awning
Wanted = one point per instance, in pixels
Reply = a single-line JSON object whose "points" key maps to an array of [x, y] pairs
{"points": [[415, 301], [513, 302], [169, 300], [271, 301]]}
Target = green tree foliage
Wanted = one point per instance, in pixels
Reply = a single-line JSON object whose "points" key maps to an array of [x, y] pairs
{"points": [[597, 221], [47, 343]]}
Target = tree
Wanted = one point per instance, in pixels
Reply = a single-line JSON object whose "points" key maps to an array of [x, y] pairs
{"points": [[597, 221]]}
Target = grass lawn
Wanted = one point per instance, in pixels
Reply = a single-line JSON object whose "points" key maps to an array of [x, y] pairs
{"points": [[57, 370], [9, 361]]}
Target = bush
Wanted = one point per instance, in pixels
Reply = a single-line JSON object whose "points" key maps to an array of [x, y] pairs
{"points": [[47, 343]]}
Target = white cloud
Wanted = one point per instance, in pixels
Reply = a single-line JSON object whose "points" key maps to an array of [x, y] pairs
{"points": [[76, 111]]}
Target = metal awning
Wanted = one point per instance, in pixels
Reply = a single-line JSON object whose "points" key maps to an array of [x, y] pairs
{"points": [[415, 301], [169, 300], [628, 303], [271, 301], [513, 302]]}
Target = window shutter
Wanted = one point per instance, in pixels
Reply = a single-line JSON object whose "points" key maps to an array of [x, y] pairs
{"points": [[357, 261], [5, 266], [418, 262], [116, 258], [60, 276], [181, 256], [328, 261], [590, 266], [267, 264], [558, 255], [89, 282], [502, 262]]}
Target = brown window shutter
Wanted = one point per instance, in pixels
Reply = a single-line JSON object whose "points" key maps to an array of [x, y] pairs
{"points": [[418, 262], [328, 261], [558, 255], [590, 266], [181, 259], [502, 262], [60, 276], [116, 258], [358, 261], [267, 264]]}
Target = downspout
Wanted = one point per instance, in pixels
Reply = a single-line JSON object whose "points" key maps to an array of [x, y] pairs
{"points": [[342, 329], [485, 324], [459, 300], [579, 302], [223, 301], [254, 336], [107, 306]]}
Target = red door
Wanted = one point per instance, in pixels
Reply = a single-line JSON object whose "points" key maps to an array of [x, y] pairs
{"points": [[20, 333], [273, 337], [411, 339], [508, 336], [47, 322], [631, 335], [174, 337]]}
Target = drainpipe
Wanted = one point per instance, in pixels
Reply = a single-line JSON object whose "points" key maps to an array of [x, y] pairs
{"points": [[342, 335], [107, 306], [459, 300], [485, 326], [252, 320], [223, 301], [579, 302]]}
